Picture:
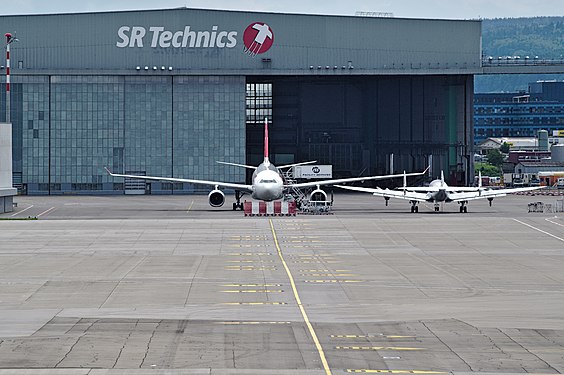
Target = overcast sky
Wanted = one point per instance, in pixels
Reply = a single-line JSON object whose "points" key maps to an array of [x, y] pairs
{"points": [[452, 9]]}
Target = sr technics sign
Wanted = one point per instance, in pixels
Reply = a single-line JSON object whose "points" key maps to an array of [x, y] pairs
{"points": [[258, 37]]}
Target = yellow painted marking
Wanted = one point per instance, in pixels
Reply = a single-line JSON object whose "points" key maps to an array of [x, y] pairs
{"points": [[329, 274], [252, 291], [249, 261], [371, 336], [190, 207], [299, 301], [251, 323], [333, 281], [249, 268], [245, 246], [302, 241], [397, 371], [249, 254], [254, 303], [306, 271], [375, 348], [315, 270], [251, 285]]}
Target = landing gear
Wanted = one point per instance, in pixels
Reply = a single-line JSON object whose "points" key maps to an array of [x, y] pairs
{"points": [[238, 204], [414, 207], [463, 207], [387, 200], [437, 207]]}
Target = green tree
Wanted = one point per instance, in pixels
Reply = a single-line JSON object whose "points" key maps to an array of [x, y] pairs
{"points": [[495, 158], [504, 148], [487, 169]]}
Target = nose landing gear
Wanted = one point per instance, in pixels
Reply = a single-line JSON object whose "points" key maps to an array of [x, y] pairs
{"points": [[238, 204], [463, 207]]}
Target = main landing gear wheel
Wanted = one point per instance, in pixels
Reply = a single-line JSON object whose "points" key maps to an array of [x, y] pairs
{"points": [[414, 209], [237, 206], [463, 209], [437, 208]]}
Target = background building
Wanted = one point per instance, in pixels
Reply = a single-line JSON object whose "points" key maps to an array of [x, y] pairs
{"points": [[520, 114], [169, 92]]}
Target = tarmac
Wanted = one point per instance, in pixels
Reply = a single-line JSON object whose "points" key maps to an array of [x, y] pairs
{"points": [[169, 285]]}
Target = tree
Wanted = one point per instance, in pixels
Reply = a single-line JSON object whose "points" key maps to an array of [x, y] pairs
{"points": [[495, 157], [487, 169], [504, 148]]}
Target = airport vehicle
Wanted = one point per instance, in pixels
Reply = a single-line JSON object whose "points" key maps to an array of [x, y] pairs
{"points": [[267, 181], [438, 191]]}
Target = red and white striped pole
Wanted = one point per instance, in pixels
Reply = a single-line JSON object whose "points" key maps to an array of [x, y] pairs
{"points": [[8, 42]]}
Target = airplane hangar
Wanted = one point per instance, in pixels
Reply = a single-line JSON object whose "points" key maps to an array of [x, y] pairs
{"points": [[170, 92]]}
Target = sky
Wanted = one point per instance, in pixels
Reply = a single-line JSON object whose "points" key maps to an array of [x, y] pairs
{"points": [[444, 9]]}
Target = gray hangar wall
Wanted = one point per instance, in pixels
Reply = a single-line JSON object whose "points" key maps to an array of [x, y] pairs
{"points": [[168, 92]]}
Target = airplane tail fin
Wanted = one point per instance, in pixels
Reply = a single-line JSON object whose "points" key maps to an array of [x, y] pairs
{"points": [[442, 178], [404, 183], [265, 140]]}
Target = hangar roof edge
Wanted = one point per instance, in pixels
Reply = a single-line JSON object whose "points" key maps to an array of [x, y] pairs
{"points": [[236, 11]]}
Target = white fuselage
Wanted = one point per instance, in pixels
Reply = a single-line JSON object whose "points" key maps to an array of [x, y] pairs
{"points": [[438, 196], [267, 183]]}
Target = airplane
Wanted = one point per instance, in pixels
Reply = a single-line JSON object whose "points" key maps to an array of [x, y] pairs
{"points": [[438, 191], [267, 181]]}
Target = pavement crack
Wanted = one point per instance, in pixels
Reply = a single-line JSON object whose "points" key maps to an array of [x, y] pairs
{"points": [[233, 352], [120, 280], [449, 348], [531, 353], [73, 345], [125, 343], [149, 344], [192, 281]]}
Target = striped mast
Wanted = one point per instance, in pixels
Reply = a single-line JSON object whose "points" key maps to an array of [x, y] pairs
{"points": [[9, 40]]}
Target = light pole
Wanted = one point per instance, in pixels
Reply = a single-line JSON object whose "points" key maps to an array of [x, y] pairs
{"points": [[9, 40]]}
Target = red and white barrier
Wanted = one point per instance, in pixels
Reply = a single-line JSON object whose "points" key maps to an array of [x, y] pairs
{"points": [[277, 208]]}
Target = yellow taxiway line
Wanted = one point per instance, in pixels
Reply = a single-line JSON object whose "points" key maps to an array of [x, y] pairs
{"points": [[299, 301]]}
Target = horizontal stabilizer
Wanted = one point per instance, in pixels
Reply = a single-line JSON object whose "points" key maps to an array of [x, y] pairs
{"points": [[237, 165], [297, 164]]}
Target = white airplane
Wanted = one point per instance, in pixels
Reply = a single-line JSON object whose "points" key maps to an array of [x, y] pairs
{"points": [[438, 191], [268, 183]]}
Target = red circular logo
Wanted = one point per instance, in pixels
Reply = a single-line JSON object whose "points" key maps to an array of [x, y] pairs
{"points": [[258, 38]]}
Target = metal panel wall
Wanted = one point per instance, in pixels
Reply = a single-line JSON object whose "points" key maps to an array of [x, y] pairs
{"points": [[92, 41]]}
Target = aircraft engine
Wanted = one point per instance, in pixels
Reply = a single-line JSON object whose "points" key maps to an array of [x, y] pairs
{"points": [[216, 198], [317, 195]]}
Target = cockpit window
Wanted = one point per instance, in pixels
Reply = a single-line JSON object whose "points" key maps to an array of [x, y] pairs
{"points": [[267, 181]]}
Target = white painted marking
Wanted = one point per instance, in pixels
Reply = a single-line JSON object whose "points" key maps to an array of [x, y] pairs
{"points": [[540, 230], [46, 212], [555, 217], [25, 209]]}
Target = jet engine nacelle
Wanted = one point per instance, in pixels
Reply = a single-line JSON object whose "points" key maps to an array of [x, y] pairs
{"points": [[318, 195], [216, 198]]}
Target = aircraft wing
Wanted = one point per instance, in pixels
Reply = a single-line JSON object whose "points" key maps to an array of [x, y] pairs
{"points": [[490, 193], [386, 193], [242, 187], [450, 189], [350, 179]]}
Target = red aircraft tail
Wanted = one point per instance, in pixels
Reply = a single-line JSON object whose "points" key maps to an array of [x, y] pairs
{"points": [[265, 139]]}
